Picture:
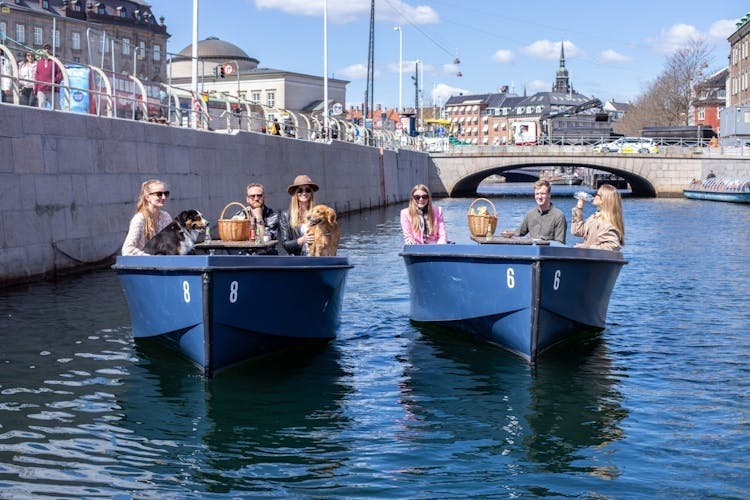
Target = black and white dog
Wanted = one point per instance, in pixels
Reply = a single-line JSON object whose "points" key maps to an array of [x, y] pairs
{"points": [[179, 237]]}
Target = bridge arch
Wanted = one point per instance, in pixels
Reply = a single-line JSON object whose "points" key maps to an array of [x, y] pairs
{"points": [[467, 185], [458, 173]]}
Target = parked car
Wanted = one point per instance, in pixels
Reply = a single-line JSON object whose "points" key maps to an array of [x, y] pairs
{"points": [[628, 145]]}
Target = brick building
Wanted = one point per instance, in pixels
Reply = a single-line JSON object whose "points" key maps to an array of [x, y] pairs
{"points": [[115, 35]]}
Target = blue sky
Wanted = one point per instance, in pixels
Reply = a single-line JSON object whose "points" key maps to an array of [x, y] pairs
{"points": [[612, 49]]}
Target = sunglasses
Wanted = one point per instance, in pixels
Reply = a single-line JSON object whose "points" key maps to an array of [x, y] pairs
{"points": [[304, 190], [418, 197], [255, 196], [160, 194]]}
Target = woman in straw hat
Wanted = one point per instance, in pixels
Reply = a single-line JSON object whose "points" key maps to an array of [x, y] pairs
{"points": [[293, 221]]}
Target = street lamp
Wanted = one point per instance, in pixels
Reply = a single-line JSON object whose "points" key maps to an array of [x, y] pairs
{"points": [[400, 64]]}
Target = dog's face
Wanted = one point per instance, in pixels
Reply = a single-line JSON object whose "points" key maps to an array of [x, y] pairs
{"points": [[192, 220], [321, 213]]}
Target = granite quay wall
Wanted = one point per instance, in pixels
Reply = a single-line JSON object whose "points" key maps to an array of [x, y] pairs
{"points": [[68, 183]]}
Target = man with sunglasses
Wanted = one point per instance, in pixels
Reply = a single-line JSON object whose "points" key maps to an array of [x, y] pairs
{"points": [[262, 214], [544, 221]]}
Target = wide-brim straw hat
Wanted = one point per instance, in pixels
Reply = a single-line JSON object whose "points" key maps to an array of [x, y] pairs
{"points": [[302, 180]]}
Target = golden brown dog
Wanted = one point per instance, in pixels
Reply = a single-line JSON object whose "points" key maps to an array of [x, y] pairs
{"points": [[321, 221]]}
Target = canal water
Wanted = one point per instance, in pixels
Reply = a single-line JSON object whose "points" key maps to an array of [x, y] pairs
{"points": [[658, 406]]}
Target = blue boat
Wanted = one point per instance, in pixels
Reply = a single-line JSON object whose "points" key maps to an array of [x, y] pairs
{"points": [[719, 189], [220, 310], [521, 295]]}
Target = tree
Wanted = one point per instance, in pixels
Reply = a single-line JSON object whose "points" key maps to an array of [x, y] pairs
{"points": [[668, 99]]}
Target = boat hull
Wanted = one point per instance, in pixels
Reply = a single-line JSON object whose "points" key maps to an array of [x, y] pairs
{"points": [[732, 197], [524, 298], [220, 310]]}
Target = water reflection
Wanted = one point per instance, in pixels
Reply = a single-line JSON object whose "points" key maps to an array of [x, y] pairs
{"points": [[556, 414], [257, 424], [575, 405]]}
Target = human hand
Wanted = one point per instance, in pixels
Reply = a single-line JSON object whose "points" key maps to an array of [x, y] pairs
{"points": [[410, 241]]}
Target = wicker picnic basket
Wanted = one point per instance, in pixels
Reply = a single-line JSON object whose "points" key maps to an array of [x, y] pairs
{"points": [[234, 229], [482, 223]]}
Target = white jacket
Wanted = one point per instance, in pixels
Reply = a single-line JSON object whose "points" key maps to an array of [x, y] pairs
{"points": [[5, 83]]}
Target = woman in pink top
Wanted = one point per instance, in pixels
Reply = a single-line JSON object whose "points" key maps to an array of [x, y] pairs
{"points": [[422, 222]]}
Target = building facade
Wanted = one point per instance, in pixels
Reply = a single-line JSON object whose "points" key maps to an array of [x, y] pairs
{"points": [[122, 36], [224, 68], [735, 118], [710, 99]]}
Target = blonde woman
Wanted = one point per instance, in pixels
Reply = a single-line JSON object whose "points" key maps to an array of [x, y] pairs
{"points": [[293, 221], [605, 228], [421, 221], [149, 217]]}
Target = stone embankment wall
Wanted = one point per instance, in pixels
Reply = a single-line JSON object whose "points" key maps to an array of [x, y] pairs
{"points": [[68, 183]]}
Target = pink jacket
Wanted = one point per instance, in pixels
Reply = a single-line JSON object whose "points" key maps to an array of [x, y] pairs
{"points": [[410, 234]]}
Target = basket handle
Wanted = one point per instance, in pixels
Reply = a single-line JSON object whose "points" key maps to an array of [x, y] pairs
{"points": [[244, 209], [488, 201]]}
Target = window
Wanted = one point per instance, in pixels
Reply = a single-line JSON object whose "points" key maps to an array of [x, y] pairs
{"points": [[701, 113], [142, 47], [20, 33], [76, 59], [156, 70], [157, 53], [56, 37], [75, 41], [122, 11], [255, 96], [45, 4], [101, 8], [126, 46], [3, 30], [271, 98], [77, 6]]}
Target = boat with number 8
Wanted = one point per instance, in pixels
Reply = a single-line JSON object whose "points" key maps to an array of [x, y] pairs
{"points": [[520, 294], [221, 310]]}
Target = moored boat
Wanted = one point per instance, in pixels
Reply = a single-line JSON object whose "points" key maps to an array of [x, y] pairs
{"points": [[220, 310], [522, 295], [719, 189]]}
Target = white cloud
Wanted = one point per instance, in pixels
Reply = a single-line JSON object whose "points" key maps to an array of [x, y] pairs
{"points": [[503, 56], [356, 72], [537, 86], [722, 28], [549, 50], [442, 91], [611, 56], [346, 11], [676, 37]]}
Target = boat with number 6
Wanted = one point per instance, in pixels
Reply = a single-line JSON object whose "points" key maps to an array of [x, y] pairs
{"points": [[520, 294], [220, 310]]}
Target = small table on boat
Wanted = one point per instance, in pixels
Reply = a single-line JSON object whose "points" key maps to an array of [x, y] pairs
{"points": [[233, 247], [513, 240]]}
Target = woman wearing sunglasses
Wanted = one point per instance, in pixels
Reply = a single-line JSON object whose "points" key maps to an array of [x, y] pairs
{"points": [[604, 229], [422, 222], [293, 221], [149, 218]]}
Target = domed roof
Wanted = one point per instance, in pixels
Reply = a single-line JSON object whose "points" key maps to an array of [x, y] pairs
{"points": [[213, 49]]}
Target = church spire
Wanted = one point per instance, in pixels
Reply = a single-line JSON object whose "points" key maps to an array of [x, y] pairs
{"points": [[562, 79]]}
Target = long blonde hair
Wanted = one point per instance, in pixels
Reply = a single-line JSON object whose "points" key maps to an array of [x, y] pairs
{"points": [[415, 214], [142, 206], [611, 208], [296, 215]]}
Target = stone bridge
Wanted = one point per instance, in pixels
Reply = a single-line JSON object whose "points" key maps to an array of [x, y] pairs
{"points": [[664, 174]]}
